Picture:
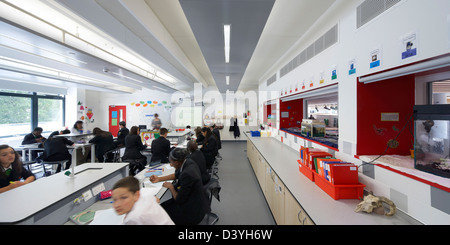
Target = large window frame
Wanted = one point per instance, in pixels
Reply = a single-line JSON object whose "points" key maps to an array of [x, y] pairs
{"points": [[34, 96]]}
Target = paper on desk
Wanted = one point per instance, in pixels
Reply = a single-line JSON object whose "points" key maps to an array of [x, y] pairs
{"points": [[107, 217]]}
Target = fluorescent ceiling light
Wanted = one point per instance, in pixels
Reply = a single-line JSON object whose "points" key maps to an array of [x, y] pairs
{"points": [[228, 80], [227, 33]]}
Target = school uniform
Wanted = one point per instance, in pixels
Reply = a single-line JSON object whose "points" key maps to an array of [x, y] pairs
{"points": [[55, 149], [198, 157], [160, 150], [30, 139], [200, 139], [191, 203], [209, 150], [123, 132], [216, 132], [13, 174], [146, 211], [133, 147], [102, 145]]}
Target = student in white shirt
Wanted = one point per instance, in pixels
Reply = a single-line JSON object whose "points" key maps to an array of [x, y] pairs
{"points": [[139, 206]]}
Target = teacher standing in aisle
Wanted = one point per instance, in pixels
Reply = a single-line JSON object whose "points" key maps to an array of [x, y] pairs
{"points": [[156, 122]]}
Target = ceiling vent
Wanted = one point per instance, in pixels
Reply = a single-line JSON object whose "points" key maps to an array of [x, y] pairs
{"points": [[272, 79], [370, 9]]}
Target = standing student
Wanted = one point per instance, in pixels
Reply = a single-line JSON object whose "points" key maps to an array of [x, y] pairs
{"points": [[103, 142], [160, 148], [33, 137], [156, 122], [55, 149], [123, 132], [12, 172], [188, 204], [139, 206], [209, 147], [133, 148]]}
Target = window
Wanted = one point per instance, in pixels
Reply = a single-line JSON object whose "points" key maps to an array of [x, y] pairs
{"points": [[22, 111]]}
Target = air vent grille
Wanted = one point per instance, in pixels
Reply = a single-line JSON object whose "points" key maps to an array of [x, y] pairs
{"points": [[370, 9]]}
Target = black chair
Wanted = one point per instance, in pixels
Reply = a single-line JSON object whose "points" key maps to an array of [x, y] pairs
{"points": [[62, 163], [113, 154], [212, 188]]}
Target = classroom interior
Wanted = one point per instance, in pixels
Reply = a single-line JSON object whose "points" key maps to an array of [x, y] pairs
{"points": [[356, 80]]}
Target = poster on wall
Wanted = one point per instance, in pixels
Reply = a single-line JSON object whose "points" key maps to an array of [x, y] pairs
{"points": [[409, 45], [375, 58], [352, 66], [334, 72], [322, 77]]}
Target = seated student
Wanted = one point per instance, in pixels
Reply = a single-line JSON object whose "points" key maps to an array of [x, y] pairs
{"points": [[133, 148], [199, 135], [123, 132], [216, 133], [103, 142], [160, 148], [77, 128], [139, 206], [197, 156], [33, 137], [55, 149], [188, 204], [12, 172], [209, 148]]}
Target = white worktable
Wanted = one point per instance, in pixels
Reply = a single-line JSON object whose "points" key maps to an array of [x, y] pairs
{"points": [[322, 209], [50, 200]]}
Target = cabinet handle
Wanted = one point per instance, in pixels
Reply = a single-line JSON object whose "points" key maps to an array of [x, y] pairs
{"points": [[298, 215], [304, 221]]}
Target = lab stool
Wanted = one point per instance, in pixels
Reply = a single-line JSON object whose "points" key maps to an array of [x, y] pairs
{"points": [[115, 155], [212, 188], [61, 163]]}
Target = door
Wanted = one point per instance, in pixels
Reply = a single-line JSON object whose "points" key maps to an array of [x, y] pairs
{"points": [[117, 113]]}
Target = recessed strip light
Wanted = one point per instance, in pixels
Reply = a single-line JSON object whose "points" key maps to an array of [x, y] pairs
{"points": [[227, 33], [227, 78]]}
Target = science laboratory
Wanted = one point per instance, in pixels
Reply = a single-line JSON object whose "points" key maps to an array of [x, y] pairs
{"points": [[225, 112]]}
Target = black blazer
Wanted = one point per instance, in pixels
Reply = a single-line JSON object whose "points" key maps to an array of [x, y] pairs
{"points": [[15, 175], [123, 132], [200, 139], [209, 150], [133, 147], [102, 145], [191, 199], [160, 150], [217, 134], [198, 157], [55, 149], [29, 139]]}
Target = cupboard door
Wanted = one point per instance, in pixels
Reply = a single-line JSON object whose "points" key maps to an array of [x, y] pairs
{"points": [[278, 200], [293, 211]]}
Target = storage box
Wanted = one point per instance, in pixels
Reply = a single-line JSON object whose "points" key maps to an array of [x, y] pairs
{"points": [[343, 174], [305, 170], [255, 133], [337, 192]]}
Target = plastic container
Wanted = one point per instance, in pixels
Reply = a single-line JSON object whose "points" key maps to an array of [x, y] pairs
{"points": [[339, 191], [255, 133], [305, 170]]}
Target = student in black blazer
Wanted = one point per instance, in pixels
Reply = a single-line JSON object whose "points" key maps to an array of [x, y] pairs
{"points": [[133, 148], [199, 135], [216, 133], [55, 149], [161, 148], [209, 148], [123, 132], [103, 142], [188, 204], [197, 156], [33, 137]]}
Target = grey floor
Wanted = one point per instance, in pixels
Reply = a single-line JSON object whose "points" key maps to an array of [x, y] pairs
{"points": [[241, 199]]}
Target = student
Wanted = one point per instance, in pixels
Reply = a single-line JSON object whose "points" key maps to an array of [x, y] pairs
{"points": [[33, 137], [133, 148], [216, 133], [123, 132], [209, 148], [199, 135], [139, 206], [160, 148], [156, 122], [197, 156], [103, 142], [77, 128], [55, 149], [12, 172], [188, 204]]}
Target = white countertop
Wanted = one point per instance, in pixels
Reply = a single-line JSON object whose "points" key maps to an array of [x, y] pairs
{"points": [[21, 203], [322, 208]]}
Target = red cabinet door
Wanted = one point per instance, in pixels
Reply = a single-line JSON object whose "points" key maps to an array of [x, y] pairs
{"points": [[117, 113]]}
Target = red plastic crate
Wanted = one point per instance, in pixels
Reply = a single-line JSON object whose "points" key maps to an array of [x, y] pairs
{"points": [[339, 191], [305, 170]]}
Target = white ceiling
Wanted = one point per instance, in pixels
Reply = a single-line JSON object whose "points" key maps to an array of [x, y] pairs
{"points": [[160, 31]]}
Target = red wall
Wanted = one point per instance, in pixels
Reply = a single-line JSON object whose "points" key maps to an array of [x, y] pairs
{"points": [[295, 109], [395, 95]]}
